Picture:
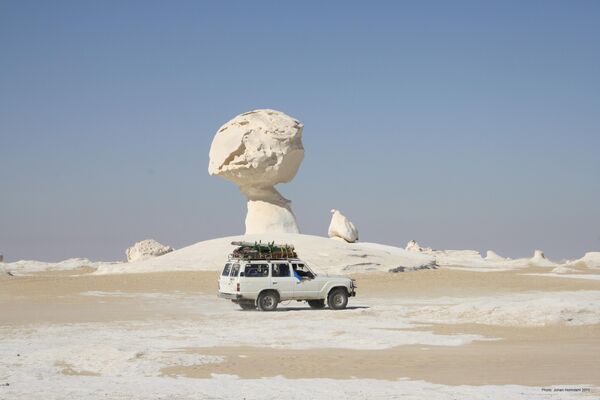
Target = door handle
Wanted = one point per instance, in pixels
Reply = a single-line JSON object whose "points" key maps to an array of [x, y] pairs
{"points": [[274, 283]]}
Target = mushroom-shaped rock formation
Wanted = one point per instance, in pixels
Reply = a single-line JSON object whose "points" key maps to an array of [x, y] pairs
{"points": [[146, 249], [341, 227], [257, 150]]}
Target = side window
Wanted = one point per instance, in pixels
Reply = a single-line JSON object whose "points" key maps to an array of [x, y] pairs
{"points": [[281, 270], [226, 270], [235, 270], [256, 270]]}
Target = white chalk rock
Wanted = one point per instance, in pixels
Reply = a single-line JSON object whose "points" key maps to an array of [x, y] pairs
{"points": [[341, 227], [539, 260], [413, 245], [146, 249], [257, 150], [493, 256]]}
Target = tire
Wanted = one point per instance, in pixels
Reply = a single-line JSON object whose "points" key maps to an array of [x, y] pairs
{"points": [[267, 301], [247, 305], [316, 304], [337, 299]]}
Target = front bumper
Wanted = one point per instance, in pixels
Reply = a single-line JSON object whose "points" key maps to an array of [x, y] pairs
{"points": [[353, 288], [230, 296]]}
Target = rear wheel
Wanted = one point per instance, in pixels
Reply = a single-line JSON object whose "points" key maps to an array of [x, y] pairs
{"points": [[247, 305], [267, 301], [317, 304], [338, 299]]}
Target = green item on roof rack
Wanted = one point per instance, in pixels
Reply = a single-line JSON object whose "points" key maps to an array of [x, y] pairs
{"points": [[263, 251]]}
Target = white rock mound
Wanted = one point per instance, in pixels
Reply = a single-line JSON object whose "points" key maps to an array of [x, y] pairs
{"points": [[257, 150], [321, 253], [146, 249], [342, 228], [590, 259]]}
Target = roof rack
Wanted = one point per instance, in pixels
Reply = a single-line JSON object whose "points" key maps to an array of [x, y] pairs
{"points": [[263, 251]]}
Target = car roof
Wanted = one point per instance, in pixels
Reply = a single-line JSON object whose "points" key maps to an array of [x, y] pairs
{"points": [[263, 260]]}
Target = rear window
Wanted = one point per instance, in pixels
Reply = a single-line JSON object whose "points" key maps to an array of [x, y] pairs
{"points": [[256, 270], [226, 270], [235, 270]]}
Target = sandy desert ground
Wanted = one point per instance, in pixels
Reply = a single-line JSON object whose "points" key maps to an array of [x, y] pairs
{"points": [[441, 333]]}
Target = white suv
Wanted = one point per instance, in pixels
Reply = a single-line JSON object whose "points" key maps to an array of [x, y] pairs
{"points": [[265, 283]]}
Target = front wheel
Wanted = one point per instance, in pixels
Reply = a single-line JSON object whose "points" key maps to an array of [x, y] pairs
{"points": [[267, 301], [317, 304], [338, 299]]}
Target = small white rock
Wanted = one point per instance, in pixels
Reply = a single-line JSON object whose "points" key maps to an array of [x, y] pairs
{"points": [[341, 227], [146, 249]]}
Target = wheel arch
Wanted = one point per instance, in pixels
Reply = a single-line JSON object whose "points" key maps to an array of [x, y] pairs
{"points": [[335, 287], [269, 290]]}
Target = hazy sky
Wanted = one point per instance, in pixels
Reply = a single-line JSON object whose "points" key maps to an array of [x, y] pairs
{"points": [[460, 124]]}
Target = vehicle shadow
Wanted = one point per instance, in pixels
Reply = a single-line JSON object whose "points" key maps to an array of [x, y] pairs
{"points": [[292, 309]]}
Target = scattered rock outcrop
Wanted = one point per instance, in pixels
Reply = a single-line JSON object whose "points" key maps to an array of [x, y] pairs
{"points": [[146, 249], [431, 265], [342, 228], [257, 150], [413, 245]]}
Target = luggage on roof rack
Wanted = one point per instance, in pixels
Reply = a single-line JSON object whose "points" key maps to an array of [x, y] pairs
{"points": [[263, 251]]}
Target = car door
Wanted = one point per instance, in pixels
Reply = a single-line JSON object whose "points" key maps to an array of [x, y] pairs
{"points": [[307, 286], [255, 279], [282, 280]]}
